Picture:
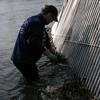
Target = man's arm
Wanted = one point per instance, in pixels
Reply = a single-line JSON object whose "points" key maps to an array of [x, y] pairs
{"points": [[50, 55]]}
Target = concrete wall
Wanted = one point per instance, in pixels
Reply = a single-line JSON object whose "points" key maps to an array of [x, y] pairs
{"points": [[77, 36]]}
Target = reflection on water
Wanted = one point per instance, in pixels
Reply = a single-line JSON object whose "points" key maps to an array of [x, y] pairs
{"points": [[12, 84]]}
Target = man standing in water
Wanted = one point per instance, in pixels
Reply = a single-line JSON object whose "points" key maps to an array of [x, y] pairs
{"points": [[32, 41]]}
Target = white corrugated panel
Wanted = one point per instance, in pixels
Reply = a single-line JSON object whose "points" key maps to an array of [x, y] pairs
{"points": [[77, 36]]}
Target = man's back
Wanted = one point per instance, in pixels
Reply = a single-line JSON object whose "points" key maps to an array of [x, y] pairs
{"points": [[28, 47]]}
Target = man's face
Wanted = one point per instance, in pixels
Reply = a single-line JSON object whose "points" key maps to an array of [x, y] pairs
{"points": [[49, 18]]}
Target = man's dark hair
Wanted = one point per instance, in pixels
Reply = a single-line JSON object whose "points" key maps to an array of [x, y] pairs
{"points": [[52, 9]]}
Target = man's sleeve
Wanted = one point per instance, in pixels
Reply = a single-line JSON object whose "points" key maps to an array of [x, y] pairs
{"points": [[48, 44]]}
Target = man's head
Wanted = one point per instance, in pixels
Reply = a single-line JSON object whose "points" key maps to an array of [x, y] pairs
{"points": [[50, 13]]}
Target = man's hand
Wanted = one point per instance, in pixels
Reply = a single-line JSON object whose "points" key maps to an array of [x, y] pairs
{"points": [[55, 57], [51, 56], [61, 58]]}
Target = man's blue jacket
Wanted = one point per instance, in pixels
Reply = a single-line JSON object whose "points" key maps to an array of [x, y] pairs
{"points": [[31, 40]]}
